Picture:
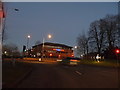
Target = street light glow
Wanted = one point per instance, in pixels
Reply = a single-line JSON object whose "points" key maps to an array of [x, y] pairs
{"points": [[49, 36], [5, 52], [28, 36], [81, 55], [75, 46]]}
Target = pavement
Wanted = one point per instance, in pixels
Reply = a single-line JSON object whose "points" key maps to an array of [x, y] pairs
{"points": [[18, 81]]}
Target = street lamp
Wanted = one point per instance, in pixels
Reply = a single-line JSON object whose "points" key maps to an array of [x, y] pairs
{"points": [[49, 36], [5, 14], [16, 9], [3, 17], [28, 37], [75, 48]]}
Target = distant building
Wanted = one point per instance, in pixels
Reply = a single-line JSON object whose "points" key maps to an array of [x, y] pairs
{"points": [[50, 50]]}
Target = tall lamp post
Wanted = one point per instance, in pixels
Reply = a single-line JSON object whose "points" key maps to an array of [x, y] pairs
{"points": [[28, 37], [49, 36], [75, 50], [4, 26]]}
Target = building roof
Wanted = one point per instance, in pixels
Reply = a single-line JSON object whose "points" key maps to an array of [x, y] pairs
{"points": [[54, 44]]}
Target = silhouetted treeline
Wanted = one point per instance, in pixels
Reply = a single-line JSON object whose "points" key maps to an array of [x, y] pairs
{"points": [[103, 37]]}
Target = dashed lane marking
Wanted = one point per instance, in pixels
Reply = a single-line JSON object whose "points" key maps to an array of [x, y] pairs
{"points": [[78, 72]]}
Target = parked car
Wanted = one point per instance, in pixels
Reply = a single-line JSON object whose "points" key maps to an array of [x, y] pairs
{"points": [[70, 61]]}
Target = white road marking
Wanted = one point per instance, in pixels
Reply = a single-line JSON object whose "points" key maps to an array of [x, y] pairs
{"points": [[78, 72]]}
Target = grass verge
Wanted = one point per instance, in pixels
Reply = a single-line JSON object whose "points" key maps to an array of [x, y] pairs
{"points": [[105, 63]]}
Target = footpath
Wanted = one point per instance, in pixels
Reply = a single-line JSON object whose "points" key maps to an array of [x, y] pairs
{"points": [[14, 72]]}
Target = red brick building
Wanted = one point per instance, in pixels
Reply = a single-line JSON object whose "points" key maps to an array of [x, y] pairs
{"points": [[50, 50]]}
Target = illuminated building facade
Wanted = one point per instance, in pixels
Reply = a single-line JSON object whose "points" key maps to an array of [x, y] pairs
{"points": [[50, 50]]}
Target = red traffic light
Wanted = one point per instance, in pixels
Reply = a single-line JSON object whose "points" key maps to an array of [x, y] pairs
{"points": [[117, 51]]}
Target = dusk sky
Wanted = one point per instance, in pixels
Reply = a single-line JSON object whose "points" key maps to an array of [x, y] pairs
{"points": [[64, 20]]}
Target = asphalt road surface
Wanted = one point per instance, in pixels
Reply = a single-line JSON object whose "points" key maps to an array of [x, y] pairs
{"points": [[46, 75]]}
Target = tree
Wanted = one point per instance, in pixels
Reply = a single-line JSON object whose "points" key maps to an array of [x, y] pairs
{"points": [[97, 34], [82, 42], [10, 50], [112, 33], [118, 28], [111, 30], [104, 35]]}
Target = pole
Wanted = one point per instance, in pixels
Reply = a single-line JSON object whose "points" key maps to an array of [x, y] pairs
{"points": [[27, 42], [43, 48], [1, 30], [27, 46]]}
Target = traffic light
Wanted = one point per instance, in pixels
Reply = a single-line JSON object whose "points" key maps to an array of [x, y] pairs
{"points": [[117, 51], [24, 48]]}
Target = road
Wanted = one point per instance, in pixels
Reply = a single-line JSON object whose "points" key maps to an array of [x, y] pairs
{"points": [[47, 75]]}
